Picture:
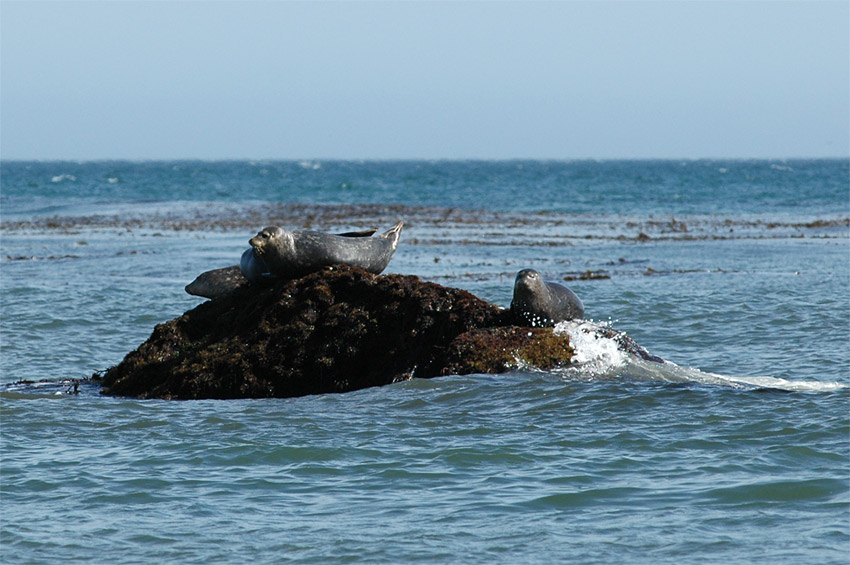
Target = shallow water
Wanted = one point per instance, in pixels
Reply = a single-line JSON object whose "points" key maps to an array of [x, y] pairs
{"points": [[737, 450]]}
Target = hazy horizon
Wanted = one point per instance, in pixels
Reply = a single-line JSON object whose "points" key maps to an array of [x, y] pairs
{"points": [[414, 159]]}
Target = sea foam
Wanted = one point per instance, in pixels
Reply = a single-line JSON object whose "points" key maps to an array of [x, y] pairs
{"points": [[599, 354]]}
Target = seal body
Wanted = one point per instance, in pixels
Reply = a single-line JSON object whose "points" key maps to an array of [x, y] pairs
{"points": [[538, 303], [253, 268], [314, 250], [217, 282], [293, 254]]}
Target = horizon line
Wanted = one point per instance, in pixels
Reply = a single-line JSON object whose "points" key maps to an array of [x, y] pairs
{"points": [[407, 159]]}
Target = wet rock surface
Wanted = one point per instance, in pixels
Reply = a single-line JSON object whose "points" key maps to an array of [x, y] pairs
{"points": [[336, 330], [496, 350]]}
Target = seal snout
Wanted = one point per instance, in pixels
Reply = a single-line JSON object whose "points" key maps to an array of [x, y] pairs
{"points": [[262, 238], [527, 277]]}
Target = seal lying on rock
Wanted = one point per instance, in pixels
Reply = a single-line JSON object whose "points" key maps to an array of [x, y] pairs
{"points": [[374, 253], [293, 254], [254, 268], [538, 303], [217, 282]]}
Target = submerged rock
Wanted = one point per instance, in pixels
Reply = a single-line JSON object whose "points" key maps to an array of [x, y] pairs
{"points": [[336, 330]]}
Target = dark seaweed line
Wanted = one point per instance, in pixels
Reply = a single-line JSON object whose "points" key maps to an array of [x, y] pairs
{"points": [[225, 218]]}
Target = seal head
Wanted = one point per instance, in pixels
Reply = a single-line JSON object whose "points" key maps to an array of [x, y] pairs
{"points": [[538, 303]]}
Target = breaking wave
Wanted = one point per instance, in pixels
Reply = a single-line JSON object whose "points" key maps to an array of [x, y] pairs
{"points": [[602, 352]]}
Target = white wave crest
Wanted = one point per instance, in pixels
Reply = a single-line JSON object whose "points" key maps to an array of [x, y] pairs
{"points": [[601, 352], [594, 354]]}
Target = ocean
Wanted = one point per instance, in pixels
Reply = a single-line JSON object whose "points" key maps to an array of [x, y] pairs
{"points": [[738, 450]]}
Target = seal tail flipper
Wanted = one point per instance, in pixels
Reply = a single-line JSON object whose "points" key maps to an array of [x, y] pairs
{"points": [[393, 233], [362, 233]]}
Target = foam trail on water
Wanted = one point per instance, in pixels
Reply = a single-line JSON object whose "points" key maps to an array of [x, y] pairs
{"points": [[695, 375], [50, 387], [601, 352]]}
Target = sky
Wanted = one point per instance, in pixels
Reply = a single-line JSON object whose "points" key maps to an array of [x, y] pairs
{"points": [[424, 80]]}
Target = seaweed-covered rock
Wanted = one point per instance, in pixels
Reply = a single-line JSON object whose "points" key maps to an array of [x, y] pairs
{"points": [[336, 330], [496, 350]]}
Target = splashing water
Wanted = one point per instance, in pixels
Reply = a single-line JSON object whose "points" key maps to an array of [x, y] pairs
{"points": [[600, 353], [595, 355]]}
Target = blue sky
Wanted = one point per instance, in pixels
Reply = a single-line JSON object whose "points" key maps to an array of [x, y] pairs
{"points": [[562, 80]]}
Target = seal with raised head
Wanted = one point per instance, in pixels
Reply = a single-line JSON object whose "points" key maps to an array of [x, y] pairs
{"points": [[251, 268], [292, 254], [538, 303]]}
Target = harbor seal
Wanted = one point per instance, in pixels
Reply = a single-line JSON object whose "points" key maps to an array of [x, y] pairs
{"points": [[217, 282], [255, 270], [538, 303], [293, 254], [252, 268]]}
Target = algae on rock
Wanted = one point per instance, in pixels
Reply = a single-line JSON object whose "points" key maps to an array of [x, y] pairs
{"points": [[335, 330]]}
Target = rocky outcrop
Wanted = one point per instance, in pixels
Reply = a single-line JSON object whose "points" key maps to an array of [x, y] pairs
{"points": [[336, 330]]}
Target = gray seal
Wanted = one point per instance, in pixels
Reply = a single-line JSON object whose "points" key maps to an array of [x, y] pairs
{"points": [[255, 270], [538, 303], [217, 282], [252, 268], [295, 253]]}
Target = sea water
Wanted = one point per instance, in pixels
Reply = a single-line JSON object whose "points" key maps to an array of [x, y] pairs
{"points": [[736, 450]]}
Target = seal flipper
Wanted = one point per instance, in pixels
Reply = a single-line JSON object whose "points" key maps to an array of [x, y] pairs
{"points": [[393, 234], [362, 233]]}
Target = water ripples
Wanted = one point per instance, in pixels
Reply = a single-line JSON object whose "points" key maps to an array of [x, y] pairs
{"points": [[622, 461], [417, 458]]}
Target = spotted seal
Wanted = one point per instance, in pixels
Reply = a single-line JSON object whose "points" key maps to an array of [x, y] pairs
{"points": [[217, 282], [538, 303], [292, 254], [252, 268]]}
